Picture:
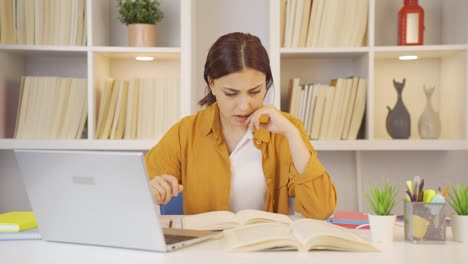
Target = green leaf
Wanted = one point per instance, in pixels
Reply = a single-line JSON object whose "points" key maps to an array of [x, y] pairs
{"points": [[139, 11], [458, 199], [382, 200]]}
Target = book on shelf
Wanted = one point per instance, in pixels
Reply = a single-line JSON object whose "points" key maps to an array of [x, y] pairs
{"points": [[51, 108], [17, 221], [295, 96], [282, 21], [110, 111], [30, 234], [329, 99], [132, 110], [305, 22], [118, 122], [221, 220], [353, 81], [289, 23], [314, 131], [297, 23], [104, 102], [359, 108], [340, 124], [302, 235], [336, 109]]}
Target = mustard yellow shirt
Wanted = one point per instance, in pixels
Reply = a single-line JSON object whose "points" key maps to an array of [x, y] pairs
{"points": [[194, 151]]}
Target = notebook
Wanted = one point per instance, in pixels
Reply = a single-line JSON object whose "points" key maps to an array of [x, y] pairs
{"points": [[30, 234], [97, 198]]}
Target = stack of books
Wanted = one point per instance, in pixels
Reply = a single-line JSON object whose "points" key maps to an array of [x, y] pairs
{"points": [[19, 225]]}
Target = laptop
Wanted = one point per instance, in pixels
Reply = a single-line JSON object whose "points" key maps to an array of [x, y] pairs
{"points": [[98, 198]]}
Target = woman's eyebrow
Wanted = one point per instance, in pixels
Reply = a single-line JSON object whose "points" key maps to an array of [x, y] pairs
{"points": [[236, 90]]}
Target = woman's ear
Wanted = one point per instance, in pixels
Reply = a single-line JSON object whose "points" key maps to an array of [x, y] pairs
{"points": [[211, 85]]}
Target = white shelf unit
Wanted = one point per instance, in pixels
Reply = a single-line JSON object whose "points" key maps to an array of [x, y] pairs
{"points": [[186, 33], [188, 30], [442, 63], [106, 55]]}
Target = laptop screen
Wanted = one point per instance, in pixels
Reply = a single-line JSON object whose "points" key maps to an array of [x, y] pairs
{"points": [[92, 197]]}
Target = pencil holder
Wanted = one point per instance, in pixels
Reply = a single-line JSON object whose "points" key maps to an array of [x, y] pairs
{"points": [[425, 222]]}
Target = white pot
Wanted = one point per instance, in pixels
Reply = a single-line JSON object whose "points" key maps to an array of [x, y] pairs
{"points": [[381, 227], [459, 224]]}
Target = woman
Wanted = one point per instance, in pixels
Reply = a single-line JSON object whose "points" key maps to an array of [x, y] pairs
{"points": [[237, 153]]}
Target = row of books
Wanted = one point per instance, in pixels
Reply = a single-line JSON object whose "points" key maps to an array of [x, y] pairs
{"points": [[329, 112], [43, 22], [137, 108], [51, 108], [323, 23]]}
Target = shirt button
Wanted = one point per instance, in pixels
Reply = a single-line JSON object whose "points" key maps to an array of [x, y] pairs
{"points": [[258, 142], [269, 180]]}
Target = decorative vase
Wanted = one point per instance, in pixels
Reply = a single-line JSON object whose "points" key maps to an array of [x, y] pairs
{"points": [[459, 226], [141, 35], [398, 122], [381, 227], [411, 23], [429, 122]]}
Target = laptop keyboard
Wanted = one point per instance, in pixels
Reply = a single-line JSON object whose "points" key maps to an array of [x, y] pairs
{"points": [[171, 239]]}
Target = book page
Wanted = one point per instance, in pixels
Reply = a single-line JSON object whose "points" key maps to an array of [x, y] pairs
{"points": [[318, 234], [259, 237], [250, 216], [217, 220]]}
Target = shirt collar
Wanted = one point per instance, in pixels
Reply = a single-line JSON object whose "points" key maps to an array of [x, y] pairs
{"points": [[212, 124]]}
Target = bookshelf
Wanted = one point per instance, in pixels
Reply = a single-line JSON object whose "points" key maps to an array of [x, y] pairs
{"points": [[105, 55], [442, 62], [189, 28]]}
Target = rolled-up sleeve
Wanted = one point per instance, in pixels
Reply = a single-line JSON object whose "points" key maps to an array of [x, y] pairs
{"points": [[165, 157], [313, 189]]}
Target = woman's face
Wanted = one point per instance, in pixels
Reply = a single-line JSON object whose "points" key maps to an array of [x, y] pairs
{"points": [[238, 95]]}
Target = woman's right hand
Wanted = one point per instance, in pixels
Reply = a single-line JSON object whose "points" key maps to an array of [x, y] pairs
{"points": [[165, 187]]}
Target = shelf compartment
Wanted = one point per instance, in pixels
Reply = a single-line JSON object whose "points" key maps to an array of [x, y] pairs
{"points": [[444, 68], [18, 62], [321, 68], [120, 64], [109, 31], [445, 22]]}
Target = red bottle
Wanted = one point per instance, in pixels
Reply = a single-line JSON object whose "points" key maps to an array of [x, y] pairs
{"points": [[411, 23]]}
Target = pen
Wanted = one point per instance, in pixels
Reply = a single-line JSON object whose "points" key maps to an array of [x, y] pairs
{"points": [[447, 189]]}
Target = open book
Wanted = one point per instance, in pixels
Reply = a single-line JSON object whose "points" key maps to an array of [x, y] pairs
{"points": [[221, 220], [302, 235]]}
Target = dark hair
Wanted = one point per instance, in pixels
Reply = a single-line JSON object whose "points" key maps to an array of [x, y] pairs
{"points": [[231, 53]]}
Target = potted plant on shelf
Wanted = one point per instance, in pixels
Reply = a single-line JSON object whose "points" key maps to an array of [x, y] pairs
{"points": [[141, 17], [458, 199], [382, 200]]}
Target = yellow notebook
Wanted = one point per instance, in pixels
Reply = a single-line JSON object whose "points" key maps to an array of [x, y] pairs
{"points": [[17, 221]]}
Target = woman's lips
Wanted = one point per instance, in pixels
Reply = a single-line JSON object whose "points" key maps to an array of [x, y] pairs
{"points": [[241, 118]]}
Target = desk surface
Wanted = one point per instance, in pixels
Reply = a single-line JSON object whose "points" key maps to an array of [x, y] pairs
{"points": [[38, 252]]}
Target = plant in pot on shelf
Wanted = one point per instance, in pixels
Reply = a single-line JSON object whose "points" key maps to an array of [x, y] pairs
{"points": [[382, 200], [458, 199], [141, 17]]}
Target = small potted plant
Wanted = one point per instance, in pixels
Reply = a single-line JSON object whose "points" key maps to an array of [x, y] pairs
{"points": [[382, 200], [458, 199], [141, 17]]}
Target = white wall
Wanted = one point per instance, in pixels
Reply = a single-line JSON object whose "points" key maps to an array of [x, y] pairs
{"points": [[438, 168]]}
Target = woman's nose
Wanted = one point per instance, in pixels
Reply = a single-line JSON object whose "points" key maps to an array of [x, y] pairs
{"points": [[244, 103]]}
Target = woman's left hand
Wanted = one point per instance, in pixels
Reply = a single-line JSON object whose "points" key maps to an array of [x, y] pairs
{"points": [[271, 119]]}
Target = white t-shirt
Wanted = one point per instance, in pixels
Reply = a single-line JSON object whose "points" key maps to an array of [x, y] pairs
{"points": [[248, 186]]}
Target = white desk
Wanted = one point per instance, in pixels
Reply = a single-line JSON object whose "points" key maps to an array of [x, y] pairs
{"points": [[38, 252]]}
